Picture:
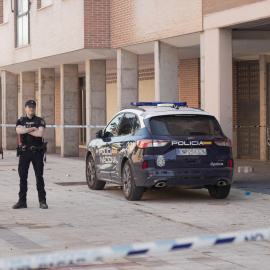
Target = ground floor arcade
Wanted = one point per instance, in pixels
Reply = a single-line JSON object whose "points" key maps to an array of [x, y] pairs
{"points": [[212, 70]]}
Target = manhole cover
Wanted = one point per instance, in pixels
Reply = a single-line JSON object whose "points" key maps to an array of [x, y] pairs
{"points": [[71, 183]]}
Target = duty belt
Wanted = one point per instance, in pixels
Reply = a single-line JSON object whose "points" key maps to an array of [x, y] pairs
{"points": [[35, 148]]}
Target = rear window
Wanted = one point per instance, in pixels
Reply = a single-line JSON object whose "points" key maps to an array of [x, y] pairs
{"points": [[184, 125]]}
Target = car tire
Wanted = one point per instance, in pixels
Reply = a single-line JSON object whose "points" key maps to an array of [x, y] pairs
{"points": [[219, 192], [91, 176], [130, 190]]}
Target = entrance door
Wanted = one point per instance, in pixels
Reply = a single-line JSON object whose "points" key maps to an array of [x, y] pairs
{"points": [[82, 111], [248, 109]]}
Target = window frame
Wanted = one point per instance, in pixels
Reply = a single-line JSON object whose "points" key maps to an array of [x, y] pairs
{"points": [[17, 17]]}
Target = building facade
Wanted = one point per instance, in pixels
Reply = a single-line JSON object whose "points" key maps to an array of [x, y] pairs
{"points": [[83, 60]]}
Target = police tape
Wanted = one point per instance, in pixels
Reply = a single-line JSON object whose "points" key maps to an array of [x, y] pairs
{"points": [[250, 126], [58, 126], [75, 257]]}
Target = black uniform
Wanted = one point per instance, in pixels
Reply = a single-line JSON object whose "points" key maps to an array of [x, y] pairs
{"points": [[31, 151]]}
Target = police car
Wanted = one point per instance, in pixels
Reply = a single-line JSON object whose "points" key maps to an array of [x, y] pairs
{"points": [[156, 145]]}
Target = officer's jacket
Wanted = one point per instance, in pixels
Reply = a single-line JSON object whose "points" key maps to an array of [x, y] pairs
{"points": [[27, 139]]}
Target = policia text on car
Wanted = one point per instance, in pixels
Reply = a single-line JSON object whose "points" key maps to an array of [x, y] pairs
{"points": [[31, 149]]}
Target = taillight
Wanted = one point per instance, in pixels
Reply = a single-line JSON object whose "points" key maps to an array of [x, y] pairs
{"points": [[145, 165], [231, 163], [151, 143], [226, 142], [144, 143]]}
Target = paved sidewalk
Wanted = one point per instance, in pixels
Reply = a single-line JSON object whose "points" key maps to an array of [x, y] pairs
{"points": [[81, 218], [258, 180]]}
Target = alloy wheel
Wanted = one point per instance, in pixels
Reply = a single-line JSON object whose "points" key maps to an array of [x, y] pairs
{"points": [[127, 181]]}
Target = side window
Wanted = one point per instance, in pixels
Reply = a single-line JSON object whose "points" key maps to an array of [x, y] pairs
{"points": [[126, 126], [136, 124], [112, 129]]}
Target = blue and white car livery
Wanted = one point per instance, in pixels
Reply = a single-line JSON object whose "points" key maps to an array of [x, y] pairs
{"points": [[157, 144]]}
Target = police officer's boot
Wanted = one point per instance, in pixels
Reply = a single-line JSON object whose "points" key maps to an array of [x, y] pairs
{"points": [[19, 205], [43, 205]]}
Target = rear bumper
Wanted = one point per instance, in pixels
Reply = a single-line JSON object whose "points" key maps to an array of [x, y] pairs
{"points": [[184, 177]]}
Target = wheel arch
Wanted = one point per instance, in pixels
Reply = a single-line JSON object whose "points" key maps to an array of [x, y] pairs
{"points": [[88, 154], [124, 160]]}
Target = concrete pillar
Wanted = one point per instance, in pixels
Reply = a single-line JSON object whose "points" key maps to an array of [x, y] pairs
{"points": [[95, 81], [69, 110], [218, 85], [166, 72], [263, 106], [46, 109], [0, 112], [9, 109], [127, 78], [27, 89]]}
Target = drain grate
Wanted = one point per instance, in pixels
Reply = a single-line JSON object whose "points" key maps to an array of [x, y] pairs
{"points": [[71, 183]]}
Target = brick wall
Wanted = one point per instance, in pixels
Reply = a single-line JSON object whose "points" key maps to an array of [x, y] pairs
{"points": [[212, 6], [38, 4], [97, 23], [189, 82], [1, 11], [140, 21]]}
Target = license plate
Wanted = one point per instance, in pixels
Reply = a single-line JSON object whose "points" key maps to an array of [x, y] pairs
{"points": [[191, 152]]}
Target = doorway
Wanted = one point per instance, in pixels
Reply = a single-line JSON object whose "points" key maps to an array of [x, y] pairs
{"points": [[82, 111], [248, 109], [268, 111]]}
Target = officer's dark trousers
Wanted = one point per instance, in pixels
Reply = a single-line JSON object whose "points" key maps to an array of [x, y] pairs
{"points": [[24, 162]]}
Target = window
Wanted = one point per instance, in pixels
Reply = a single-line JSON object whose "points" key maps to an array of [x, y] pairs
{"points": [[136, 124], [6, 10], [112, 129], [126, 124], [46, 3], [130, 123], [22, 23], [184, 125]]}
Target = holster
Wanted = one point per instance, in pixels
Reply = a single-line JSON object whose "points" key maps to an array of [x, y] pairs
{"points": [[42, 148], [19, 150]]}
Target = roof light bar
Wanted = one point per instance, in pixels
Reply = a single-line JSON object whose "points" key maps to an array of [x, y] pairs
{"points": [[155, 103]]}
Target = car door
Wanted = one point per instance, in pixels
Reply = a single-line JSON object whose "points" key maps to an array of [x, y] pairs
{"points": [[105, 158], [119, 145]]}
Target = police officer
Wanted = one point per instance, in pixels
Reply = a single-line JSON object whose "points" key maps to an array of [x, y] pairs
{"points": [[31, 129]]}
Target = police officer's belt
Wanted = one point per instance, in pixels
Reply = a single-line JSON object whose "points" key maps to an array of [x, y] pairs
{"points": [[35, 148]]}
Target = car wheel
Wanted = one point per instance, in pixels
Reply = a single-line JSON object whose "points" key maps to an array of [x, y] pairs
{"points": [[219, 192], [131, 191], [91, 176]]}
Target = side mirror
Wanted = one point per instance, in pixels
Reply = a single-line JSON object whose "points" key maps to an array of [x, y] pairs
{"points": [[99, 134]]}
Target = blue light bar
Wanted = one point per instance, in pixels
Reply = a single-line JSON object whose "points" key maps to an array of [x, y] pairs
{"points": [[155, 103]]}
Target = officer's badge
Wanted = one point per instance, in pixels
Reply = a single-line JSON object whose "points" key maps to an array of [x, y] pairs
{"points": [[161, 161], [42, 122]]}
